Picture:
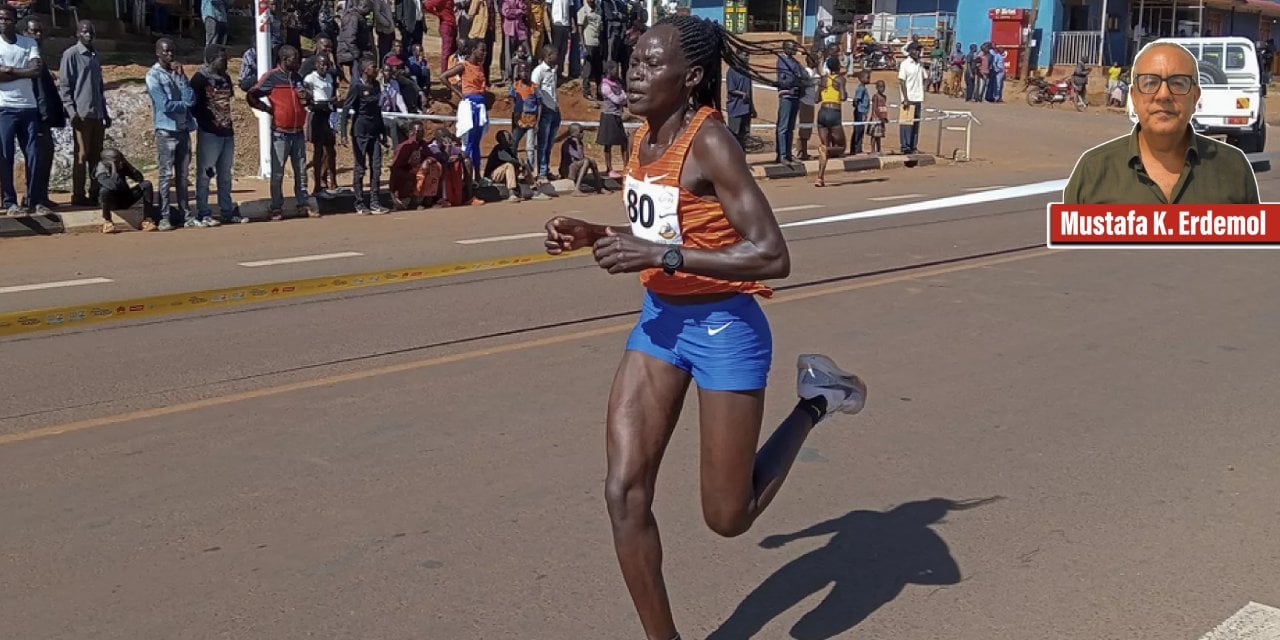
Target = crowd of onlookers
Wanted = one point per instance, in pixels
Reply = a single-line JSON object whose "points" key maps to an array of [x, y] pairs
{"points": [[366, 85]]}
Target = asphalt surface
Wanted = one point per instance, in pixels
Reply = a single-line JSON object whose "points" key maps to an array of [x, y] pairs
{"points": [[1057, 444]]}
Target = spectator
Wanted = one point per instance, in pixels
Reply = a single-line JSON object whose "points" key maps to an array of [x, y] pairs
{"points": [[879, 107], [563, 25], [52, 116], [544, 78], [412, 95], [574, 163], [611, 131], [288, 99], [384, 25], [808, 105], [447, 151], [589, 23], [995, 89], [521, 56], [419, 70], [911, 82], [324, 48], [171, 102], [215, 21], [861, 111], [524, 112], [739, 108], [323, 87], [970, 73], [443, 10], [482, 30], [19, 112], [408, 16], [356, 36], [505, 166], [515, 34], [539, 26], [84, 97], [1080, 77], [981, 79], [791, 88], [410, 173], [248, 69], [391, 100], [937, 64], [112, 175], [368, 133], [473, 117], [215, 136]]}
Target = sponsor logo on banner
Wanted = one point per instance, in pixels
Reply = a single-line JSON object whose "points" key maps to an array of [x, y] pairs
{"points": [[1120, 226]]}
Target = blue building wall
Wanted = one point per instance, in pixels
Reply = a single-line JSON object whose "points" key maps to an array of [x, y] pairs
{"points": [[974, 27], [1244, 25]]}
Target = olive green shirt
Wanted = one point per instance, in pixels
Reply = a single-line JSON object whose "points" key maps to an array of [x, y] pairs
{"points": [[1112, 173]]}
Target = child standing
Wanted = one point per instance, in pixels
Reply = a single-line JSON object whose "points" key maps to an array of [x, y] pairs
{"points": [[322, 82], [611, 132], [524, 113], [880, 107]]}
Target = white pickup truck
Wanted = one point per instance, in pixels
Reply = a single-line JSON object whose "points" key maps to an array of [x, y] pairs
{"points": [[1232, 96]]}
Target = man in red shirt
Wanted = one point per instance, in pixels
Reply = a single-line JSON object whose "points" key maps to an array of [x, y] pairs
{"points": [[287, 100]]}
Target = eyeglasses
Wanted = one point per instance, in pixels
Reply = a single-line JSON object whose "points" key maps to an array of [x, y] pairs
{"points": [[1149, 83]]}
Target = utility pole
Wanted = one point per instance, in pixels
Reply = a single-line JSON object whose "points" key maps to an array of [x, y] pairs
{"points": [[1025, 63]]}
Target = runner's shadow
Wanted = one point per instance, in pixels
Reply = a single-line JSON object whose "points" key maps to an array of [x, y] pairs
{"points": [[870, 558]]}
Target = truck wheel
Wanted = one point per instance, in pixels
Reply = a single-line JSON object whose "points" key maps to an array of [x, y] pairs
{"points": [[1254, 142]]}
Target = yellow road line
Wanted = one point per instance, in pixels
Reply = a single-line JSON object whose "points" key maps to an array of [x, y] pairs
{"points": [[19, 322], [93, 423]]}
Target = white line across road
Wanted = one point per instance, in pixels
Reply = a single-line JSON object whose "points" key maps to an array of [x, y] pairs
{"points": [[514, 236], [968, 199], [903, 196], [994, 186], [799, 207], [54, 285], [297, 259], [1252, 622]]}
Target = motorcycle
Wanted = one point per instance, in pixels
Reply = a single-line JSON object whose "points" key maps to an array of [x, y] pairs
{"points": [[877, 57], [1041, 91]]}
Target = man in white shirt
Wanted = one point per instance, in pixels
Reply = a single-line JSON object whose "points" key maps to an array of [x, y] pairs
{"points": [[911, 84], [20, 64], [545, 77]]}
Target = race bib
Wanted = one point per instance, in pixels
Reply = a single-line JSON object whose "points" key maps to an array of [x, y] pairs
{"points": [[654, 211]]}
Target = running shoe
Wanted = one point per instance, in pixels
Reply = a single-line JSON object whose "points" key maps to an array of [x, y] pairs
{"points": [[819, 376]]}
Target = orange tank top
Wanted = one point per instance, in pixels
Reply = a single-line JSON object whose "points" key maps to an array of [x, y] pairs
{"points": [[662, 211], [473, 79]]}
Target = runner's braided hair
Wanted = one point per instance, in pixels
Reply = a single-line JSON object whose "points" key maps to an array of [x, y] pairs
{"points": [[706, 44]]}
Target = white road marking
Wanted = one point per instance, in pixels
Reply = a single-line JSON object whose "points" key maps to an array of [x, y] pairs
{"points": [[54, 285], [799, 207], [1252, 622], [903, 196], [1009, 193], [994, 186], [296, 259], [514, 236]]}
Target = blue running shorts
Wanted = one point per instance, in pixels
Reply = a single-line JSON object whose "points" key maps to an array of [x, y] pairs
{"points": [[725, 345]]}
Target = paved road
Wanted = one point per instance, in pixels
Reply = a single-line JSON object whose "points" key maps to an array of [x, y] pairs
{"points": [[1057, 444]]}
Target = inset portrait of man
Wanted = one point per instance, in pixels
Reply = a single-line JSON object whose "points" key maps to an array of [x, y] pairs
{"points": [[1163, 160]]}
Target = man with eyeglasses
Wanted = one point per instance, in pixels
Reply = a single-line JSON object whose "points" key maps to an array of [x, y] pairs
{"points": [[1163, 161]]}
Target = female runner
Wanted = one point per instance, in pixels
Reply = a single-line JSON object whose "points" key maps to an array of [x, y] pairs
{"points": [[702, 236]]}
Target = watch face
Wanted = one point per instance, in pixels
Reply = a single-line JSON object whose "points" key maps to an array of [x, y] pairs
{"points": [[671, 258]]}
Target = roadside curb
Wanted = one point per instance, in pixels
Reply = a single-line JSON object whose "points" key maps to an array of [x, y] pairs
{"points": [[90, 220], [774, 171]]}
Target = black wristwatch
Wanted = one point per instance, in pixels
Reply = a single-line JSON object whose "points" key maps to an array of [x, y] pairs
{"points": [[672, 260]]}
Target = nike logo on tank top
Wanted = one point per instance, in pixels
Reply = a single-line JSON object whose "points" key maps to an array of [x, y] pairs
{"points": [[660, 210]]}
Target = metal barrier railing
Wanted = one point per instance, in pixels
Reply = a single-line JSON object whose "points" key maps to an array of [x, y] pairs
{"points": [[1069, 47]]}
